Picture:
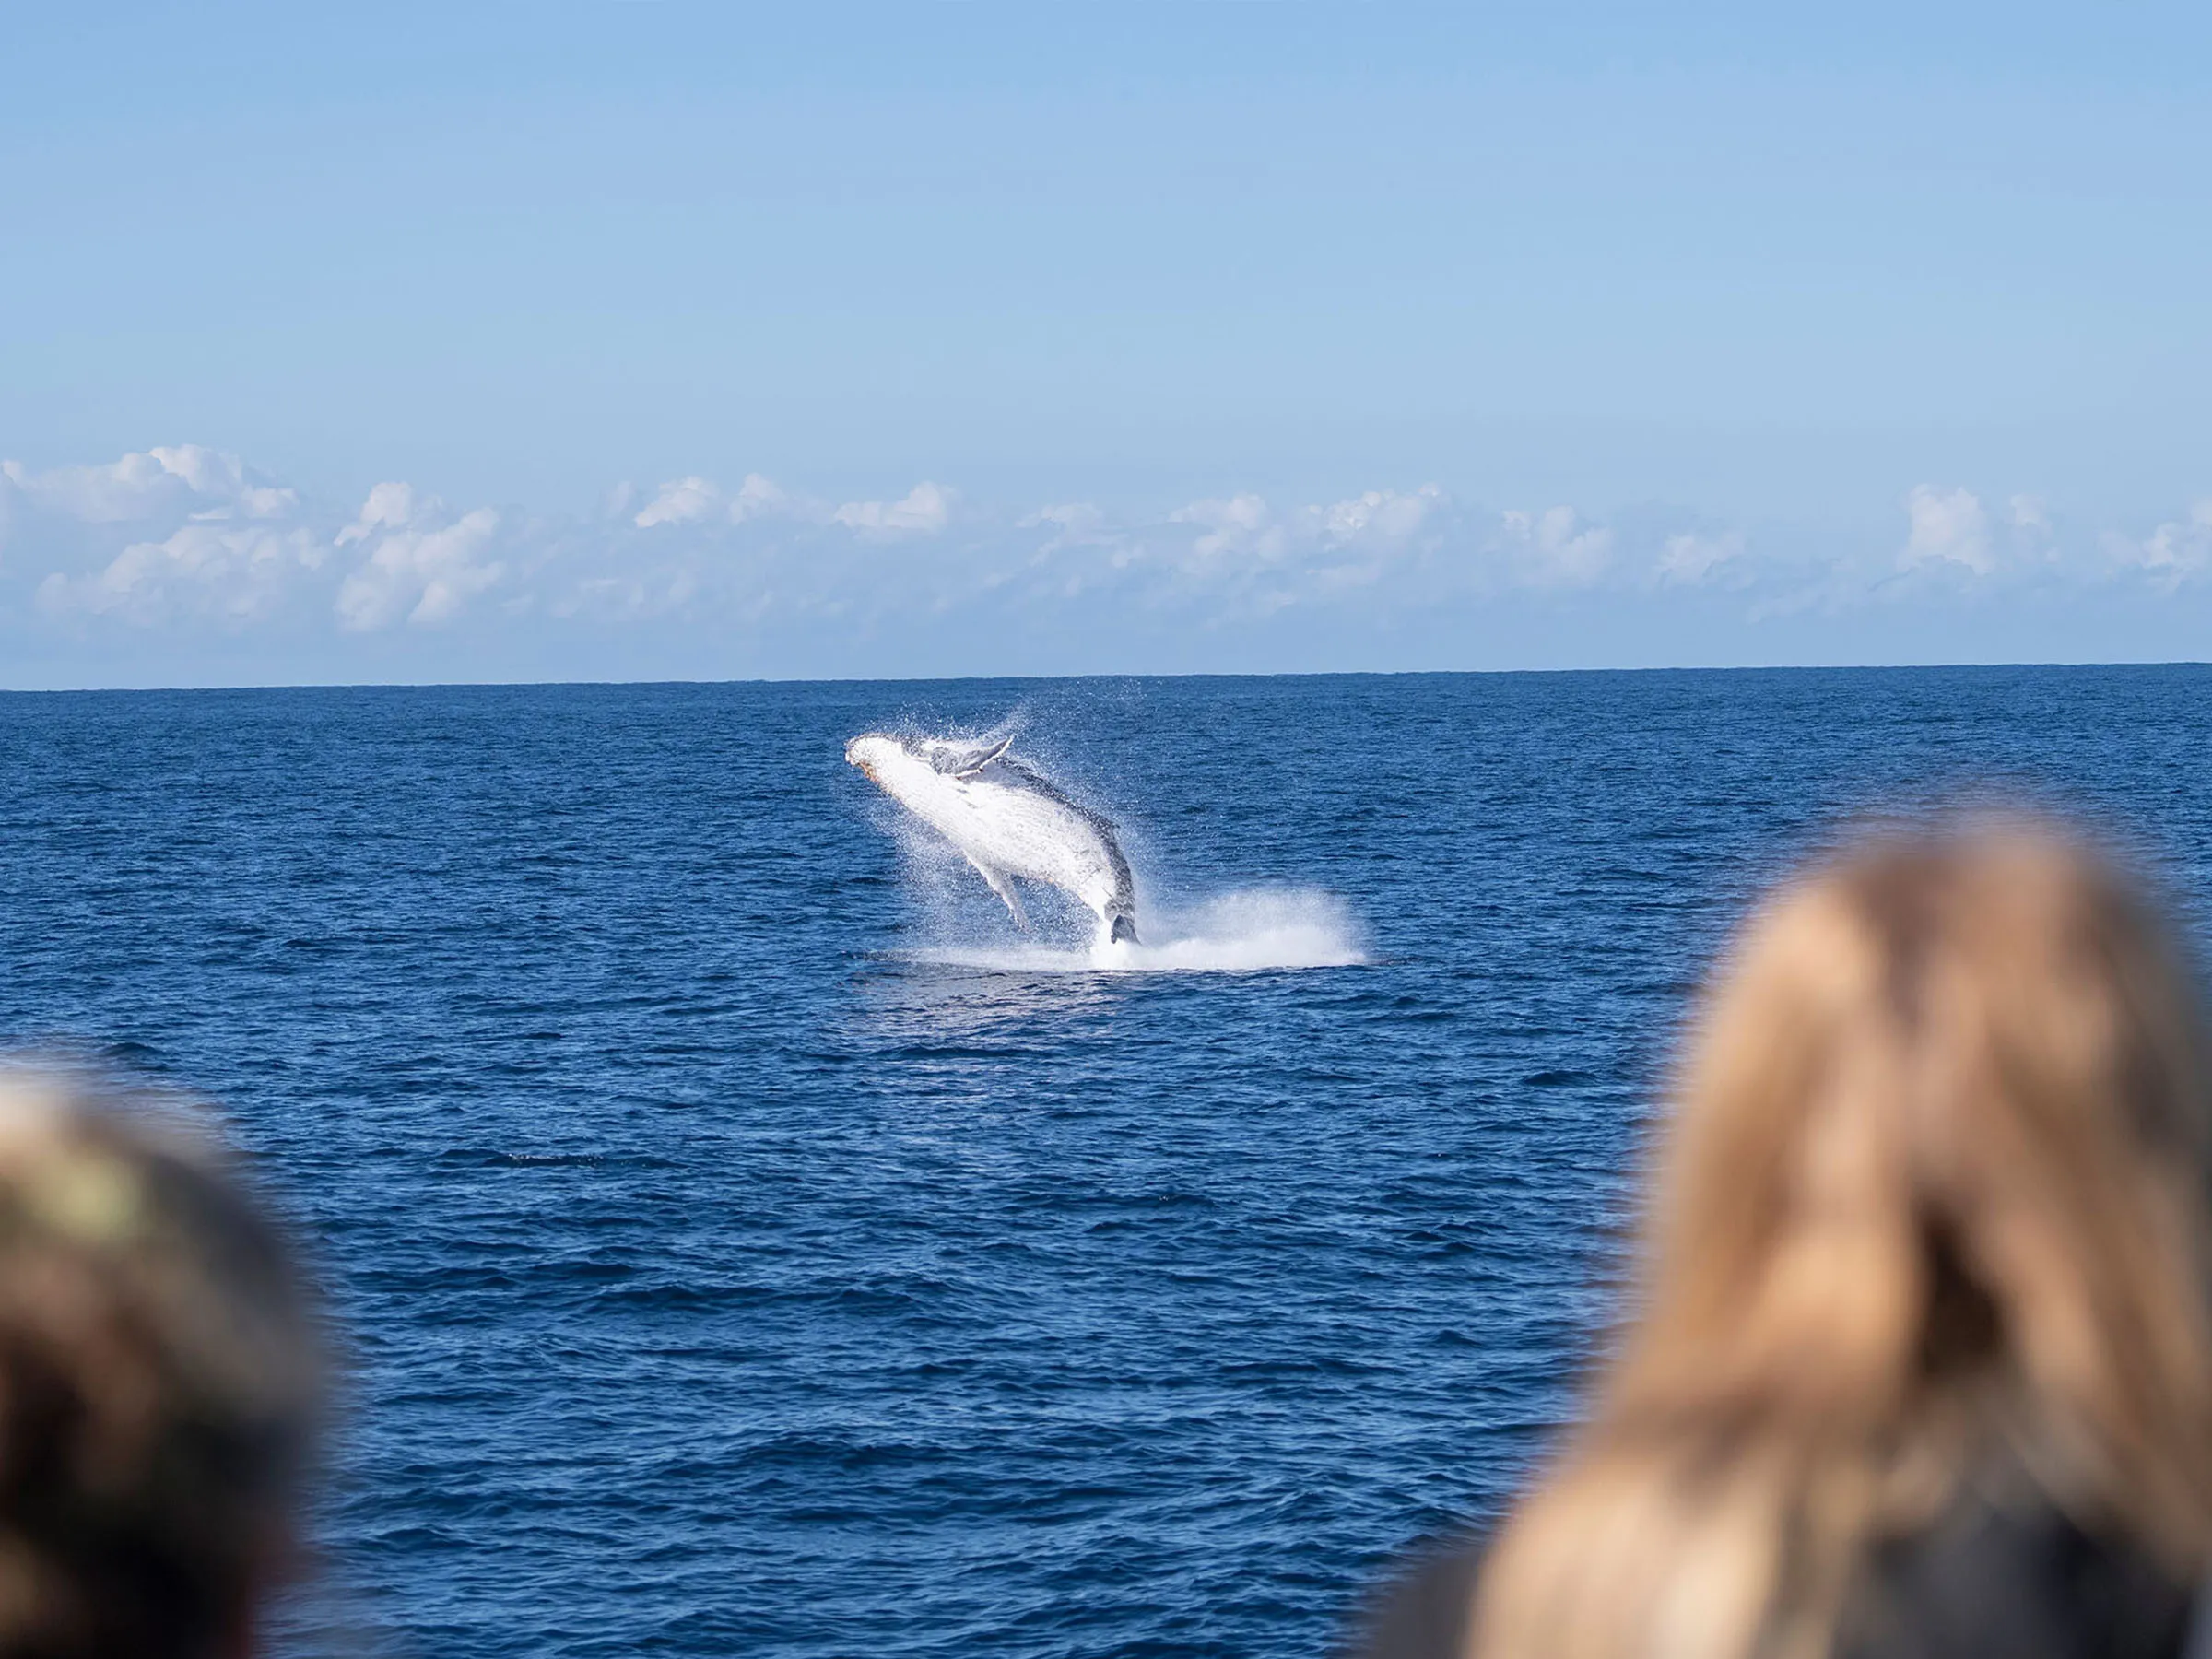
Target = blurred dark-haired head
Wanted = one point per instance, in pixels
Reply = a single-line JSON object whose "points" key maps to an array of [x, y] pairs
{"points": [[160, 1380]]}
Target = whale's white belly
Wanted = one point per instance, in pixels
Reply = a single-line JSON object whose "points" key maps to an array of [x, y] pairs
{"points": [[1006, 828]]}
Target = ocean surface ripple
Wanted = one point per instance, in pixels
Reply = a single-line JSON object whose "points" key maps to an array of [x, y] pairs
{"points": [[746, 1247]]}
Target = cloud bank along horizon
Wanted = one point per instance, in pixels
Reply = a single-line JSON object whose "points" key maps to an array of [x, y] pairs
{"points": [[185, 565]]}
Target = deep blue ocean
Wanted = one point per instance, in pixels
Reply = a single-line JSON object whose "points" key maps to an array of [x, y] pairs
{"points": [[744, 1245]]}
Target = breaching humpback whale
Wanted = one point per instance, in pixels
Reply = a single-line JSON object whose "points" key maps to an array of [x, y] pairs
{"points": [[1006, 820]]}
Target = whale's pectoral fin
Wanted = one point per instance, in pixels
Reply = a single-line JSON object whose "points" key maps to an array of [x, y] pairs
{"points": [[972, 767], [1003, 885]]}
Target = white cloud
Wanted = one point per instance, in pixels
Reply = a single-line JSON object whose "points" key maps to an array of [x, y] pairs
{"points": [[685, 502], [755, 497], [191, 478], [1073, 518], [1242, 526], [1688, 559], [188, 537], [2171, 554], [1255, 559], [232, 574], [1947, 527], [693, 500], [424, 565], [1395, 543], [1379, 518], [1076, 527], [207, 539], [925, 510], [1556, 548], [389, 507], [136, 487]]}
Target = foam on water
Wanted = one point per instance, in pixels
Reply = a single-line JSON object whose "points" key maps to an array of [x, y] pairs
{"points": [[1245, 932]]}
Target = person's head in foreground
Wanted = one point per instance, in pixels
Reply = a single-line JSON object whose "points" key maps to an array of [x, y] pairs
{"points": [[1921, 1353], [159, 1382]]}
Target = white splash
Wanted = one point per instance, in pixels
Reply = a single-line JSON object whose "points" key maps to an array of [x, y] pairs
{"points": [[1249, 932]]}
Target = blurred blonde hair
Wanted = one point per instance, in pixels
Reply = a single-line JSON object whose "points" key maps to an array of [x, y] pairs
{"points": [[1934, 1187], [160, 1380]]}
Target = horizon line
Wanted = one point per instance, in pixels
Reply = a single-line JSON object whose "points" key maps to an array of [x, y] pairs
{"points": [[969, 680]]}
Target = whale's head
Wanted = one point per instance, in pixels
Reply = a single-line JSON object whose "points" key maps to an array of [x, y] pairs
{"points": [[870, 751]]}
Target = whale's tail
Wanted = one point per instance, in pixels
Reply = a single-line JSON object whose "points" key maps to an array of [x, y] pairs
{"points": [[1122, 930]]}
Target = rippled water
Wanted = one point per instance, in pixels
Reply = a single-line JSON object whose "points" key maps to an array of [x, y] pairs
{"points": [[748, 1248]]}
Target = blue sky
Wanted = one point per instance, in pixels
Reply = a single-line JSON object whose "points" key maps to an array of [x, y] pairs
{"points": [[443, 343]]}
